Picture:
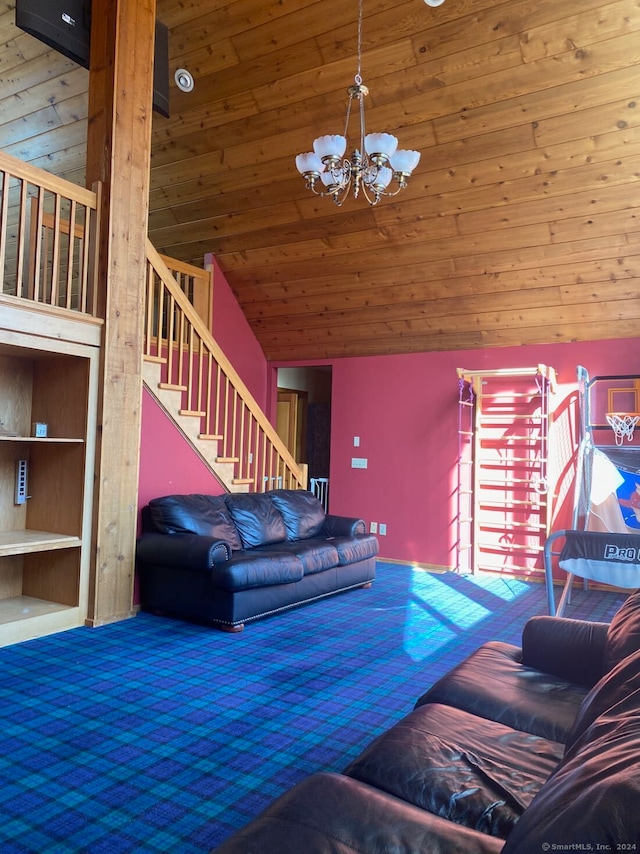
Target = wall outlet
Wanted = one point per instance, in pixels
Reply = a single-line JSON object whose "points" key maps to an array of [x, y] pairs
{"points": [[383, 529], [359, 462], [373, 527]]}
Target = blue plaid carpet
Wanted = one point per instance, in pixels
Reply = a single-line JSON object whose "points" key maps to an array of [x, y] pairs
{"points": [[155, 735]]}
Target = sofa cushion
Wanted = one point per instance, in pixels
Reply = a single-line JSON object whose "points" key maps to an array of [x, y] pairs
{"points": [[194, 514], [257, 519], [591, 800], [623, 636], [331, 814], [303, 514], [493, 684], [314, 555], [255, 568], [466, 769], [621, 685], [353, 549], [568, 648]]}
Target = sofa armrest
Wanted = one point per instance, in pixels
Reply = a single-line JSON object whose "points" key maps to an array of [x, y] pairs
{"points": [[193, 552], [343, 526], [571, 649]]}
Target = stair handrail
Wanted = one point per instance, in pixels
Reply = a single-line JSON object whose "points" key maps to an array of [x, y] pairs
{"points": [[294, 474], [47, 239]]}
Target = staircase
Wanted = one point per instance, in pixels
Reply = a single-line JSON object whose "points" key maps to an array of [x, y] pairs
{"points": [[195, 384], [170, 401]]}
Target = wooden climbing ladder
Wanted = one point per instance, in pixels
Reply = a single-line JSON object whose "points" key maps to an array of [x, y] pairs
{"points": [[503, 511]]}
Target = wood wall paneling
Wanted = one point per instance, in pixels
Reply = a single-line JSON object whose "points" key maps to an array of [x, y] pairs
{"points": [[523, 205]]}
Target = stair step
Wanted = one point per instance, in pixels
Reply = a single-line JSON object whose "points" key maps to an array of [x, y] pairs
{"points": [[159, 360], [222, 467]]}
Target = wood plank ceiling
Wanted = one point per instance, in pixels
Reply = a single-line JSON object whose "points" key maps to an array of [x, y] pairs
{"points": [[520, 225]]}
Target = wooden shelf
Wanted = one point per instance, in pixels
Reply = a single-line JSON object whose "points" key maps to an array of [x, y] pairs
{"points": [[41, 441], [26, 607], [25, 617], [44, 573], [27, 541]]}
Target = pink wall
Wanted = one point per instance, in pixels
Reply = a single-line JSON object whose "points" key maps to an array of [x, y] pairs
{"points": [[405, 411], [233, 333], [168, 463]]}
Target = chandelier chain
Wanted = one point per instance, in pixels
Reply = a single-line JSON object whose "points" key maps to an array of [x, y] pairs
{"points": [[358, 77]]}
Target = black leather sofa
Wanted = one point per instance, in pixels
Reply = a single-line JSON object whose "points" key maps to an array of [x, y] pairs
{"points": [[227, 559], [519, 750]]}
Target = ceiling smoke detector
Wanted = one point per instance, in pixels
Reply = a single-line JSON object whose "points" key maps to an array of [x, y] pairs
{"points": [[184, 80]]}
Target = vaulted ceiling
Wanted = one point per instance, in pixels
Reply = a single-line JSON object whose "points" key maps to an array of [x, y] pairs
{"points": [[520, 224]]}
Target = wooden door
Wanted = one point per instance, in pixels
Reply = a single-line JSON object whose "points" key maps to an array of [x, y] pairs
{"points": [[291, 422]]}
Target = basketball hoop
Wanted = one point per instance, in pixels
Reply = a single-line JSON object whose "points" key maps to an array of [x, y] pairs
{"points": [[622, 424]]}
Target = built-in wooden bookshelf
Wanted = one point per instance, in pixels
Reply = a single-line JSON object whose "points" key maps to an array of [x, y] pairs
{"points": [[45, 541]]}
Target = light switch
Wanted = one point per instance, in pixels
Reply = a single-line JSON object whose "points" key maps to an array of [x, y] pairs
{"points": [[356, 441]]}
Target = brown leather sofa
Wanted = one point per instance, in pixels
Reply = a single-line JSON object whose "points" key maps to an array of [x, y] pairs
{"points": [[519, 750]]}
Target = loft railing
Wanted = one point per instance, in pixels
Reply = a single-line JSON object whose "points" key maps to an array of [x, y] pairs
{"points": [[177, 337], [47, 246], [47, 256], [44, 256]]}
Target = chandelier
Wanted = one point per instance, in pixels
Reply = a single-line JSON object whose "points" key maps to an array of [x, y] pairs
{"points": [[370, 168]]}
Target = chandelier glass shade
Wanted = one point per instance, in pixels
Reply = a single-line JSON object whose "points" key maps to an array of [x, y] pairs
{"points": [[372, 165]]}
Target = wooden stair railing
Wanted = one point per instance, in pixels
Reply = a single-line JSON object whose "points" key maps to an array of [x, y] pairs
{"points": [[193, 363], [44, 256], [196, 283]]}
